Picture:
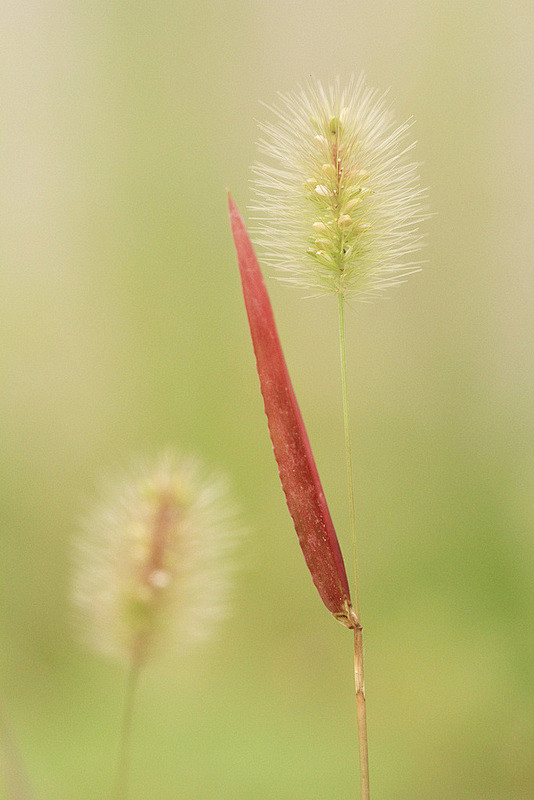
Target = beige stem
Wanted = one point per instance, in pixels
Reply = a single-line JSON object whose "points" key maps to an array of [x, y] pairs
{"points": [[361, 713]]}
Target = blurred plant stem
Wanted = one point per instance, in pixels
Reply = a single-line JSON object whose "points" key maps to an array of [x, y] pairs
{"points": [[358, 634], [122, 774], [14, 777]]}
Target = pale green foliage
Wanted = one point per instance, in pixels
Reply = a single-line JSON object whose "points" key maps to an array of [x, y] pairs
{"points": [[339, 203], [152, 567]]}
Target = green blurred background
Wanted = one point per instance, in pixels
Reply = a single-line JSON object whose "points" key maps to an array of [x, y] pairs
{"points": [[123, 331]]}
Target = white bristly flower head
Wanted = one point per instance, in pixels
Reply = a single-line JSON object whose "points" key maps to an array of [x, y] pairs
{"points": [[153, 560], [339, 202]]}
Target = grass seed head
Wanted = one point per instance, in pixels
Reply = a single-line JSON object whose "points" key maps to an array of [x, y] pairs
{"points": [[338, 201], [152, 562]]}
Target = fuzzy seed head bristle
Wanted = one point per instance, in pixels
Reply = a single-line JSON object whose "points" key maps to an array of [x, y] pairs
{"points": [[152, 566], [338, 203]]}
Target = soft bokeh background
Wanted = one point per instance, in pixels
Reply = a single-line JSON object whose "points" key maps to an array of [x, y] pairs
{"points": [[123, 331]]}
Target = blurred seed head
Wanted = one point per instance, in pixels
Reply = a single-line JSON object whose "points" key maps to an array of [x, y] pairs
{"points": [[153, 560], [339, 203]]}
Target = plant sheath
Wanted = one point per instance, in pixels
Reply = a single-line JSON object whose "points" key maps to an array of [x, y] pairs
{"points": [[296, 465]]}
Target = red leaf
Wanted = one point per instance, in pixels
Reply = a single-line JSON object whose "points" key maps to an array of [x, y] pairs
{"points": [[296, 466]]}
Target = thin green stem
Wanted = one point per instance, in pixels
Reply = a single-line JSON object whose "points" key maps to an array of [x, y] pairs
{"points": [[348, 451], [122, 773], [358, 633]]}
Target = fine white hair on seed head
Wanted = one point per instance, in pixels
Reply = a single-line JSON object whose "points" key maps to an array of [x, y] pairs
{"points": [[153, 560], [338, 202]]}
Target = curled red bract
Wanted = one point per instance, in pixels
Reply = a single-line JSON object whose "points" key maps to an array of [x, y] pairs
{"points": [[296, 466]]}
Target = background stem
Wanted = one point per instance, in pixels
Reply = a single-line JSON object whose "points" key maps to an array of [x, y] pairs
{"points": [[123, 761], [12, 766], [358, 634]]}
